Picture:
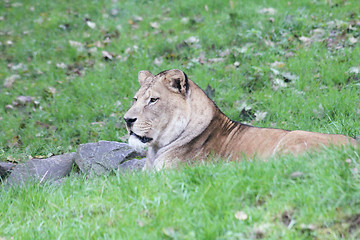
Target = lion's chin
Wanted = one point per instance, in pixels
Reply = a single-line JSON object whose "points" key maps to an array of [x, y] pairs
{"points": [[137, 144]]}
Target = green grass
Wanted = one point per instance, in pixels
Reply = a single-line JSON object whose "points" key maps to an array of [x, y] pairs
{"points": [[200, 202], [195, 203]]}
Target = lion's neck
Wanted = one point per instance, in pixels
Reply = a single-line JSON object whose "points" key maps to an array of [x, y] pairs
{"points": [[218, 137]]}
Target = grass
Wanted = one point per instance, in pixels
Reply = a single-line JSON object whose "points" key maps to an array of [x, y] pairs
{"points": [[195, 203], [312, 47]]}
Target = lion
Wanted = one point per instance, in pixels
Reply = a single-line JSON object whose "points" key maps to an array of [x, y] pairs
{"points": [[179, 123]]}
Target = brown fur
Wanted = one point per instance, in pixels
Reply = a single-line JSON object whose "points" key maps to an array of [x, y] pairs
{"points": [[184, 124]]}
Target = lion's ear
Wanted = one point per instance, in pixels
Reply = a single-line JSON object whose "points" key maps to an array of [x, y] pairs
{"points": [[144, 76], [177, 81]]}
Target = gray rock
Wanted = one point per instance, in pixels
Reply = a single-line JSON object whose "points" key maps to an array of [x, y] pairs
{"points": [[52, 168], [132, 165], [103, 157], [5, 169]]}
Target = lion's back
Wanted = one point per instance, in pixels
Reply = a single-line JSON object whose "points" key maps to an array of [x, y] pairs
{"points": [[298, 141]]}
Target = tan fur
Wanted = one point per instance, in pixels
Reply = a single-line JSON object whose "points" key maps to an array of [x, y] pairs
{"points": [[184, 124]]}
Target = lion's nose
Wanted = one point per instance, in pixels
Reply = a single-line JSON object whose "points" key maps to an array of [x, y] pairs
{"points": [[130, 121]]}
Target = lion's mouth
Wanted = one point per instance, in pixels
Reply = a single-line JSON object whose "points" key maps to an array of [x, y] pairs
{"points": [[142, 139]]}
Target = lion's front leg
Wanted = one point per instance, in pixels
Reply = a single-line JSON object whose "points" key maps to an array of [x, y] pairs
{"points": [[155, 164], [162, 162]]}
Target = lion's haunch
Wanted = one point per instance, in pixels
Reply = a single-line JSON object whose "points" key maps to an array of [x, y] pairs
{"points": [[184, 124]]}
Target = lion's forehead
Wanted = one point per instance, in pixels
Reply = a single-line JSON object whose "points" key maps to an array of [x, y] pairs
{"points": [[142, 93], [150, 90]]}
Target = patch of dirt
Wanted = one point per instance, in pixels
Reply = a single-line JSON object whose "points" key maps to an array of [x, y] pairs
{"points": [[354, 222], [260, 202], [345, 227], [286, 218]]}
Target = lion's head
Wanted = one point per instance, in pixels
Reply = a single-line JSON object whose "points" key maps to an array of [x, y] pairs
{"points": [[160, 112]]}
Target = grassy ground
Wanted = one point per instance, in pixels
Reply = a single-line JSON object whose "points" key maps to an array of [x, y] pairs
{"points": [[285, 64], [245, 200]]}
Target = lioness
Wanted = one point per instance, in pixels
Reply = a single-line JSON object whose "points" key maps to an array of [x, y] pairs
{"points": [[178, 122]]}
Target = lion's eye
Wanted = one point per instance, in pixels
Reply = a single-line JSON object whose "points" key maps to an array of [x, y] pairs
{"points": [[153, 100]]}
